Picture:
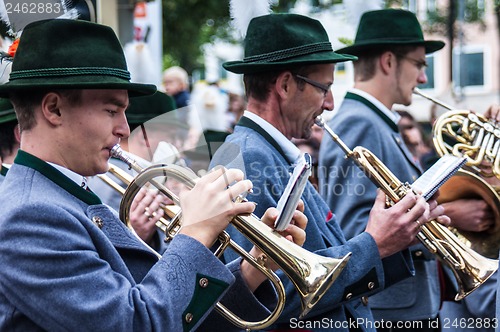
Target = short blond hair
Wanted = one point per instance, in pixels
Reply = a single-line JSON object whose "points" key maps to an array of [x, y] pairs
{"points": [[179, 74]]}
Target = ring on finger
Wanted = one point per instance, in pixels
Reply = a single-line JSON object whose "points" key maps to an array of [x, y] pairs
{"points": [[147, 214], [418, 223]]}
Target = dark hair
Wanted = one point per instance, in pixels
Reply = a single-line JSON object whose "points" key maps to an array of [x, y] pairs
{"points": [[258, 85], [7, 138], [364, 67], [25, 103], [405, 114]]}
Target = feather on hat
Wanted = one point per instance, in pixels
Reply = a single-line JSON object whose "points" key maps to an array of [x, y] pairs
{"points": [[243, 11]]}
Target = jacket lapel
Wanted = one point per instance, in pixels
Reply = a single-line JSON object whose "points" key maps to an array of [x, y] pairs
{"points": [[117, 232], [402, 146]]}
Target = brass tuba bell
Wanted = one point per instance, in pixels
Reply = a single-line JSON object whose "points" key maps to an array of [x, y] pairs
{"points": [[311, 274]]}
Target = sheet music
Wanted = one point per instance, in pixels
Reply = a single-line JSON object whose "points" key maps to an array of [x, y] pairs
{"points": [[293, 191], [429, 182]]}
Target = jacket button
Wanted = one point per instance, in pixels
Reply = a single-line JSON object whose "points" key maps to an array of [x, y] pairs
{"points": [[371, 285], [189, 317], [364, 300], [348, 296], [203, 282], [98, 221], [418, 253]]}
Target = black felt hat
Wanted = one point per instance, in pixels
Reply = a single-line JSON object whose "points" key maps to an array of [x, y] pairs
{"points": [[389, 27], [70, 54], [277, 41]]}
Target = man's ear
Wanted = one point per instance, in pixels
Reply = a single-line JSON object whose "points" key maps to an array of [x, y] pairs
{"points": [[387, 62], [51, 103], [17, 134], [283, 84]]}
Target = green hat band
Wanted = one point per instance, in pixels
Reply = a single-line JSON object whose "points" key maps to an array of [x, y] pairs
{"points": [[291, 52], [77, 71]]}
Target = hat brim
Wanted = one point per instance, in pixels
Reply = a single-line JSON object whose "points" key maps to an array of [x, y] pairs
{"points": [[82, 82], [8, 118], [242, 67], [356, 49]]}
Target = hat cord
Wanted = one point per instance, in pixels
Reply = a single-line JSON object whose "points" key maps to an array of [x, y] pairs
{"points": [[291, 52], [76, 71]]}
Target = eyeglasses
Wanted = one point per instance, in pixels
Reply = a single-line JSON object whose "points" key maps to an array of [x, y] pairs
{"points": [[420, 64], [323, 87]]}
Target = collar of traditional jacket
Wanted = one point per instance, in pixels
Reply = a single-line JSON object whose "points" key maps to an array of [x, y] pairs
{"points": [[56, 176], [390, 117], [274, 136], [4, 169]]}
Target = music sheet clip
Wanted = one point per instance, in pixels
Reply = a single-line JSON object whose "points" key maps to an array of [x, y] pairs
{"points": [[293, 191]]}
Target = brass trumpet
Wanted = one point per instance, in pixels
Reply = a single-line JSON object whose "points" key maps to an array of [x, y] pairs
{"points": [[464, 133], [469, 268], [311, 274]]}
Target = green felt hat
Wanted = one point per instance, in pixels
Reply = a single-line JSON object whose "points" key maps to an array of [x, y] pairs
{"points": [[388, 27], [144, 108], [279, 41], [7, 113], [70, 54]]}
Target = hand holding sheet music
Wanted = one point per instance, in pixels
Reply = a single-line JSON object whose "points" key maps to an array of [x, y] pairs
{"points": [[293, 191], [429, 182]]}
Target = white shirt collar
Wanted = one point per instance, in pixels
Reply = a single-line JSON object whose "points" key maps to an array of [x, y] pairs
{"points": [[390, 114], [291, 151], [77, 178]]}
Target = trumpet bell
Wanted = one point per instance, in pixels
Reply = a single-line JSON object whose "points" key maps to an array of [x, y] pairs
{"points": [[321, 276], [472, 268]]}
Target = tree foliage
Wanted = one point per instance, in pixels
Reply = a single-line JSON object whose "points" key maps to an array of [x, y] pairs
{"points": [[188, 24]]}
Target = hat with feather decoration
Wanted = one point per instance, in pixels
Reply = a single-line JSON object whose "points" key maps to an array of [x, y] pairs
{"points": [[70, 54], [279, 41]]}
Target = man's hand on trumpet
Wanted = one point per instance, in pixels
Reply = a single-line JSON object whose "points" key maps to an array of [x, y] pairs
{"points": [[209, 207], [295, 233], [145, 211], [394, 228]]}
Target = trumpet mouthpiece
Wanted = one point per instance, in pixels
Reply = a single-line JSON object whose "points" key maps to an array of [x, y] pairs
{"points": [[320, 121], [116, 151]]}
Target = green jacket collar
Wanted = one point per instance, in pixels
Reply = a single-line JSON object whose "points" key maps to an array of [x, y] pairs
{"points": [[28, 160], [3, 170], [246, 122], [374, 108]]}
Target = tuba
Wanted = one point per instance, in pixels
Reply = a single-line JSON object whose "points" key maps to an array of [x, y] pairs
{"points": [[469, 268], [464, 133], [311, 274]]}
